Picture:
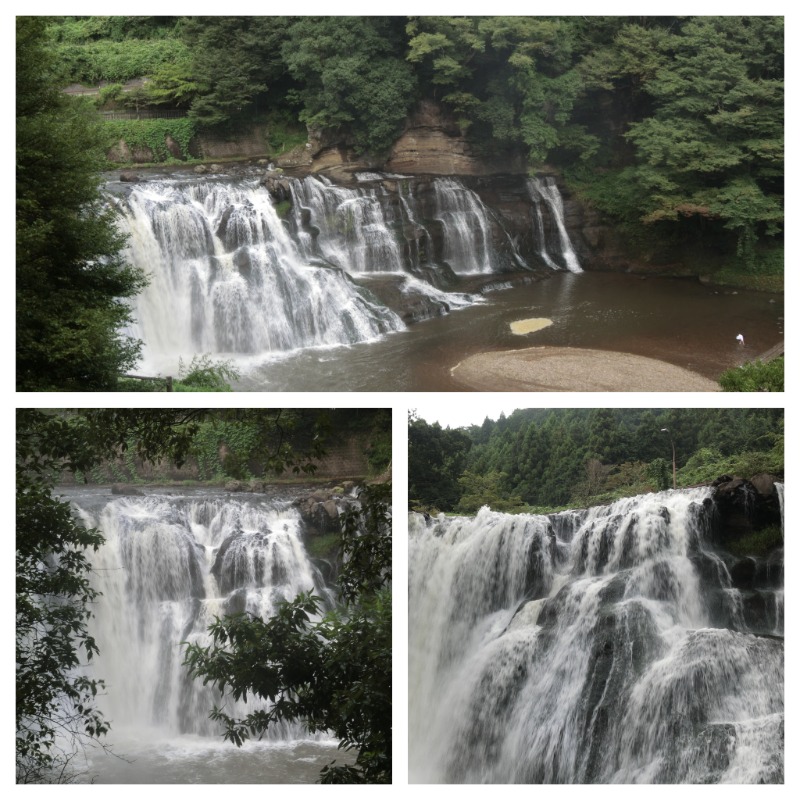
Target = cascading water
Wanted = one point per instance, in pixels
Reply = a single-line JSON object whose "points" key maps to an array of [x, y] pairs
{"points": [[353, 229], [231, 276], [545, 190], [599, 646], [168, 567], [226, 277], [467, 237]]}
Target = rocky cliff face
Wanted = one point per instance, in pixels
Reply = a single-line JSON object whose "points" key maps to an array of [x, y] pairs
{"points": [[432, 144], [748, 531]]}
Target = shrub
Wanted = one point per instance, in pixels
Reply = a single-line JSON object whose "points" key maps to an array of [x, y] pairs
{"points": [[755, 376]]}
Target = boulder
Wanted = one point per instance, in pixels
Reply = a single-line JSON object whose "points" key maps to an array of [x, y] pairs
{"points": [[764, 483], [742, 509], [331, 509], [278, 187], [173, 147]]}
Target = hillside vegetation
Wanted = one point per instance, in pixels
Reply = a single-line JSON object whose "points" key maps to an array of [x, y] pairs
{"points": [[551, 458], [673, 126]]}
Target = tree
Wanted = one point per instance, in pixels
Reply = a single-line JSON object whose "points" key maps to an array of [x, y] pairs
{"points": [[71, 282], [351, 73], [510, 80], [55, 710], [485, 490], [234, 62], [700, 100], [436, 460], [333, 672]]}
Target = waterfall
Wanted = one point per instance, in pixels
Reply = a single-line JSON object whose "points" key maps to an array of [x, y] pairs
{"points": [[168, 567], [230, 276], [227, 277], [353, 231], [545, 190], [598, 646], [467, 237], [779, 492]]}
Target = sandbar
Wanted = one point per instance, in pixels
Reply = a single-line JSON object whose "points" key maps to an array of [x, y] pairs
{"points": [[568, 369], [523, 326]]}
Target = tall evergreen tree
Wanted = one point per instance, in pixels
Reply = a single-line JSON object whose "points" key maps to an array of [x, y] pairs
{"points": [[71, 281]]}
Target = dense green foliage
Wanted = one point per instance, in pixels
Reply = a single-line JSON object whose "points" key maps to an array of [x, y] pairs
{"points": [[233, 61], [333, 671], [151, 134], [553, 458], [351, 72], [512, 80], [671, 125], [755, 376], [92, 62], [252, 444], [438, 457], [707, 135], [201, 374], [71, 283]]}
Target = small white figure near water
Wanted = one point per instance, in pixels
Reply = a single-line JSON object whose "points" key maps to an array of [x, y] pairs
{"points": [[740, 339]]}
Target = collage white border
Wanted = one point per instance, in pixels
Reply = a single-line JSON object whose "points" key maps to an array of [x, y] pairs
{"points": [[401, 403]]}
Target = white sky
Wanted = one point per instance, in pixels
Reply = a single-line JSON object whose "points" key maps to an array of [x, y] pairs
{"points": [[458, 411]]}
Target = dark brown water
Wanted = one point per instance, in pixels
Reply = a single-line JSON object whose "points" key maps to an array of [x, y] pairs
{"points": [[675, 320]]}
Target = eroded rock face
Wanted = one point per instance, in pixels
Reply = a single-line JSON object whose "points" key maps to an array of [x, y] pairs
{"points": [[432, 144], [743, 508], [319, 512]]}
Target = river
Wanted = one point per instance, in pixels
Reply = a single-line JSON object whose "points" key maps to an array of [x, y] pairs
{"points": [[320, 290], [679, 321]]}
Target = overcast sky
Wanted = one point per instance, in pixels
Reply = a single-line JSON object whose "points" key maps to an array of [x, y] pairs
{"points": [[459, 411]]}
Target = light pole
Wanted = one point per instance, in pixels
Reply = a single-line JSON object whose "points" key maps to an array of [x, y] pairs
{"points": [[672, 442]]}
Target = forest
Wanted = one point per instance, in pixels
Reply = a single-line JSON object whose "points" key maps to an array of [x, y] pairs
{"points": [[554, 458]]}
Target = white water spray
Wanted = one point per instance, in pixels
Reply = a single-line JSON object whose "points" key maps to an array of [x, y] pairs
{"points": [[545, 189], [598, 646], [227, 278], [168, 567]]}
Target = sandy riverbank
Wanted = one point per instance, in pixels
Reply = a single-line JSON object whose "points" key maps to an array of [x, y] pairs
{"points": [[567, 369]]}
